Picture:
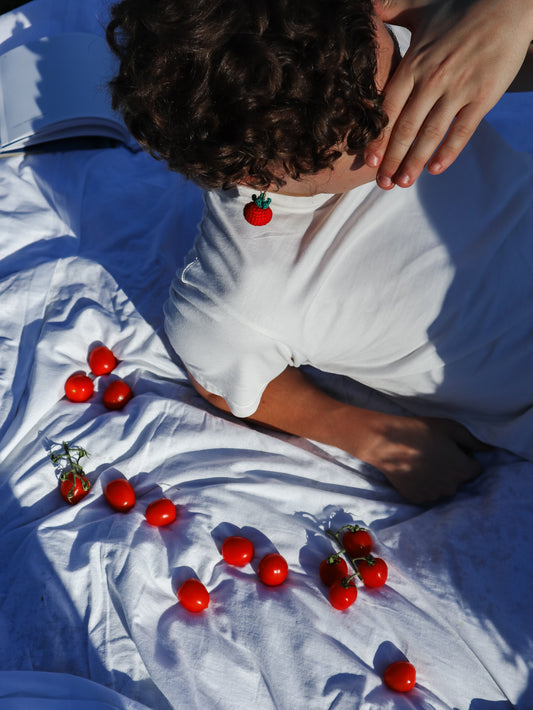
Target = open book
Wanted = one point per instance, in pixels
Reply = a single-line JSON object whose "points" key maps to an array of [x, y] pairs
{"points": [[56, 88]]}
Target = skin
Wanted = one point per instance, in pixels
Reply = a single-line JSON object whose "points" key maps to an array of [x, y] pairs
{"points": [[463, 56]]}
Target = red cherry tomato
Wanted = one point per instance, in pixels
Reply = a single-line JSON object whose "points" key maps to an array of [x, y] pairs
{"points": [[400, 676], [357, 543], [273, 569], [374, 572], [120, 495], [79, 387], [73, 487], [102, 360], [193, 595], [237, 550], [342, 594], [331, 572], [117, 395], [161, 512]]}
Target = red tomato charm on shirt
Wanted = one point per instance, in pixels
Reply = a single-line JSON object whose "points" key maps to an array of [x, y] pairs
{"points": [[237, 550], [373, 571], [193, 596], [161, 512], [120, 495], [79, 387], [117, 395], [101, 360], [73, 487], [273, 569], [400, 676], [257, 212]]}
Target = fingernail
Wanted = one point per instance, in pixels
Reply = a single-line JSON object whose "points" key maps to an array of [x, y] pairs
{"points": [[384, 181], [372, 160], [435, 167], [403, 180]]}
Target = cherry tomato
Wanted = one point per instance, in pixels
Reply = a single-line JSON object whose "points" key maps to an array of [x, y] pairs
{"points": [[120, 495], [117, 395], [333, 571], [79, 387], [101, 360], [193, 595], [237, 550], [374, 572], [73, 487], [342, 594], [357, 543], [400, 676], [161, 512], [273, 569]]}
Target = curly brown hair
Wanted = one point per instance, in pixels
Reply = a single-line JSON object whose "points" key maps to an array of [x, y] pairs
{"points": [[227, 91]]}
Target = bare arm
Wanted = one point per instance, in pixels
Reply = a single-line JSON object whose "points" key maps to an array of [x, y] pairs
{"points": [[464, 55], [424, 459]]}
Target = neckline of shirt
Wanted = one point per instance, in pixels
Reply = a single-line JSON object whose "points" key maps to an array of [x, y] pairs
{"points": [[303, 203]]}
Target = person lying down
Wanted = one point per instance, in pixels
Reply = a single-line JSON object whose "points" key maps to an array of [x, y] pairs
{"points": [[423, 294]]}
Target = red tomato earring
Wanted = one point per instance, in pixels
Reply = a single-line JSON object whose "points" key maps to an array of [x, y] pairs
{"points": [[258, 212]]}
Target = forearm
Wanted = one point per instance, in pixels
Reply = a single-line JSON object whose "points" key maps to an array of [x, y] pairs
{"points": [[294, 404], [423, 459]]}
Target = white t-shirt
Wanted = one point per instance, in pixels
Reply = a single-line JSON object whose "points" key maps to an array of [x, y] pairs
{"points": [[424, 294]]}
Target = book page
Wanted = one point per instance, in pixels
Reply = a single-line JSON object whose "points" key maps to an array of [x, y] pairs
{"points": [[57, 83]]}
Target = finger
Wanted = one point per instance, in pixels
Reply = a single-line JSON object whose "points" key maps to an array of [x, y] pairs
{"points": [[397, 94], [460, 132], [403, 135], [429, 137]]}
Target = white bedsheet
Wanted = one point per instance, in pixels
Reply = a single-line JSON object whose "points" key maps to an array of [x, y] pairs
{"points": [[89, 240]]}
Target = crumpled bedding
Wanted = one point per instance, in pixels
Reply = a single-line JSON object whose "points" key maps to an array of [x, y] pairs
{"points": [[89, 618]]}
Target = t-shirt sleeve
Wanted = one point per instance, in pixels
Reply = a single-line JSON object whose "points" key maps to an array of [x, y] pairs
{"points": [[227, 356]]}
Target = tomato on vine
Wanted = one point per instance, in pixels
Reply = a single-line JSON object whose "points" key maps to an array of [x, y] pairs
{"points": [[120, 495], [400, 676], [161, 512], [273, 569], [342, 594], [101, 360], [357, 543], [73, 483], [333, 569], [73, 487], [193, 596], [237, 550], [373, 571], [79, 387], [117, 394]]}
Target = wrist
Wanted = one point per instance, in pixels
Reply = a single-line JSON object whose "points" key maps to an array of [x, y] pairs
{"points": [[355, 430]]}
